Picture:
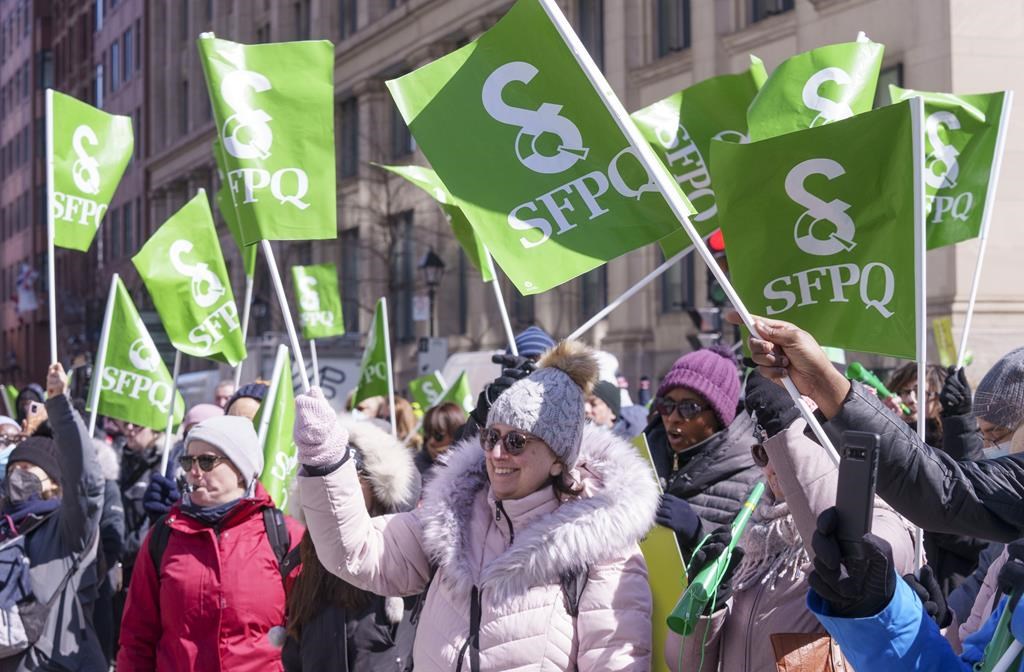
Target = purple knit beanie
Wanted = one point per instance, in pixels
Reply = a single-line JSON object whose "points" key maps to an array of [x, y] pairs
{"points": [[710, 372]]}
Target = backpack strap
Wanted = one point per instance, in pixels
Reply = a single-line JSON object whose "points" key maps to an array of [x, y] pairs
{"points": [[158, 542], [280, 540]]}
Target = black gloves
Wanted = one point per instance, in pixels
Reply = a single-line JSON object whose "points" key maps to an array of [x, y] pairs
{"points": [[160, 496], [512, 369], [1011, 576], [955, 395], [712, 549], [771, 404], [870, 582], [928, 590], [677, 515]]}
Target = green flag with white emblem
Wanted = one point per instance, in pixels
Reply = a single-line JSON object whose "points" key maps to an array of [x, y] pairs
{"points": [[820, 229], [375, 370], [815, 88], [89, 152], [184, 271], [316, 288], [275, 422], [273, 107], [961, 134], [226, 206], [426, 390]]}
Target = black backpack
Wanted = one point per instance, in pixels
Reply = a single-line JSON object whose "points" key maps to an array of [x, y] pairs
{"points": [[277, 534]]}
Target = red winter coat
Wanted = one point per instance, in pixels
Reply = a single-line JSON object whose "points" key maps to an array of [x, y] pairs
{"points": [[214, 601]]}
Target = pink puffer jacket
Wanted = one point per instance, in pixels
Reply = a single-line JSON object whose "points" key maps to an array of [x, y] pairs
{"points": [[512, 553]]}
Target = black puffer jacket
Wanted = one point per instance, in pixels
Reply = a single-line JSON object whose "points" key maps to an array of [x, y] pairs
{"points": [[715, 476], [984, 499]]}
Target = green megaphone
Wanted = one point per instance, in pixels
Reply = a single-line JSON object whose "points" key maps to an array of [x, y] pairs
{"points": [[684, 617], [856, 371]]}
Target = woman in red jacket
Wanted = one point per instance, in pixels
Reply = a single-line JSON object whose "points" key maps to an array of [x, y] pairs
{"points": [[218, 591]]}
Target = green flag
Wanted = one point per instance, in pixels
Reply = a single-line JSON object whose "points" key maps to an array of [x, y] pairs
{"points": [[961, 134], [10, 394], [227, 211], [681, 127], [375, 370], [459, 393], [427, 180], [135, 385], [816, 87], [426, 390], [185, 274], [820, 229], [273, 105], [275, 421], [316, 288], [524, 142], [87, 157]]}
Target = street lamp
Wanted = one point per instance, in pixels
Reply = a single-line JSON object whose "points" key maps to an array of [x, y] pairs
{"points": [[433, 270]]}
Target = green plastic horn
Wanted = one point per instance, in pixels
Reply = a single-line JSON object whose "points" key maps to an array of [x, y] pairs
{"points": [[856, 371]]}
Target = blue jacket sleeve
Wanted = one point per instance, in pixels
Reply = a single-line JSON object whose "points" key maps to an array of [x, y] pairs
{"points": [[899, 638]]}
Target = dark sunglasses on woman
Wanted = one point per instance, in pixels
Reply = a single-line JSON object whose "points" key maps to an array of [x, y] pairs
{"points": [[514, 443], [206, 462], [687, 408]]}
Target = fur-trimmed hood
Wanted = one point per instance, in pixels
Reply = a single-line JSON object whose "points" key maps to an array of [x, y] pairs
{"points": [[386, 463], [614, 513]]}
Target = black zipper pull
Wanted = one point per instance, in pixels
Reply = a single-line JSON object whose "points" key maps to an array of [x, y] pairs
{"points": [[497, 511]]}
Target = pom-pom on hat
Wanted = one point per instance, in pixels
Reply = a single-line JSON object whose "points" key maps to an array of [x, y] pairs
{"points": [[549, 402], [710, 372]]}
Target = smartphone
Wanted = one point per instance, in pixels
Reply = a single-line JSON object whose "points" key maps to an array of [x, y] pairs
{"points": [[858, 476]]}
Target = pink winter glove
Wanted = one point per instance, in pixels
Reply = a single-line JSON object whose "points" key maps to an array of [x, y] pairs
{"points": [[319, 440]]}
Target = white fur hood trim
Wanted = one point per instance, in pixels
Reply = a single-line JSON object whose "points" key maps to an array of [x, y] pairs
{"points": [[388, 464], [599, 526]]}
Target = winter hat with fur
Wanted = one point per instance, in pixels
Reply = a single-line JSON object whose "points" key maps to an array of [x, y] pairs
{"points": [[549, 402]]}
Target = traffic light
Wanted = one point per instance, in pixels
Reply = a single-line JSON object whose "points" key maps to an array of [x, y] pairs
{"points": [[716, 294]]}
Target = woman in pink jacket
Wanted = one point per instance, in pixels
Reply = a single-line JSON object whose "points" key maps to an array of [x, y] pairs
{"points": [[525, 542]]}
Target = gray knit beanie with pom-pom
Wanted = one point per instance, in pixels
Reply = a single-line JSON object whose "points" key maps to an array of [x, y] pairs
{"points": [[549, 402]]}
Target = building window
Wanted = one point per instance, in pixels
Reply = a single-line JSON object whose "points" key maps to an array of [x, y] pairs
{"points": [[350, 279], [97, 15], [115, 66], [349, 137], [465, 269], [403, 280], [302, 20], [523, 309], [138, 44], [892, 74], [348, 15], [594, 288], [128, 54], [673, 26], [263, 34], [45, 79], [128, 227], [137, 131], [115, 233], [677, 286], [591, 13], [762, 9], [402, 143], [183, 14], [98, 88]]}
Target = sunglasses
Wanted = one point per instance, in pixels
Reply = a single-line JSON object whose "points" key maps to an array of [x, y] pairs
{"points": [[760, 455], [687, 408], [206, 462], [513, 443]]}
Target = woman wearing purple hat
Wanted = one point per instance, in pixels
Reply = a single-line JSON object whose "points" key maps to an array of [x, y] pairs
{"points": [[700, 446]]}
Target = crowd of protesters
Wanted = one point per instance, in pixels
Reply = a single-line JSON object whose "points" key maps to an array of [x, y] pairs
{"points": [[510, 537]]}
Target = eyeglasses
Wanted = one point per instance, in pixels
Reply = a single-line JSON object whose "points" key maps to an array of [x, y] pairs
{"points": [[206, 462], [514, 443], [993, 436], [759, 454], [687, 408]]}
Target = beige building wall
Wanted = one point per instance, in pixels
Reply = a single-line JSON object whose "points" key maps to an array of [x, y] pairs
{"points": [[957, 45]]}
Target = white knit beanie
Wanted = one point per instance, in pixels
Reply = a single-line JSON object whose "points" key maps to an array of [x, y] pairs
{"points": [[234, 436], [549, 402]]}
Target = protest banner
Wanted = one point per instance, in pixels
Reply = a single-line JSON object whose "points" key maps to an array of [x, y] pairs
{"points": [[319, 306], [375, 376], [815, 88], [87, 151], [275, 421]]}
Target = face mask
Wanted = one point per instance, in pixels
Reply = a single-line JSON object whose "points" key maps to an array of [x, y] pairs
{"points": [[23, 485]]}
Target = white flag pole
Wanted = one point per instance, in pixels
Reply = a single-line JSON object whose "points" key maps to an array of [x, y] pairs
{"points": [[101, 356], [625, 296], [500, 298], [286, 312], [51, 283], [990, 197], [669, 189], [246, 307], [314, 362], [267, 405], [170, 414], [387, 357], [920, 288]]}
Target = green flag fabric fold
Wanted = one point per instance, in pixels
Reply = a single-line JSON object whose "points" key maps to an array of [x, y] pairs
{"points": [[961, 134], [316, 288], [375, 370], [816, 87], [275, 431], [459, 393], [226, 206], [820, 229], [135, 385], [524, 142], [273, 106], [184, 271], [89, 154]]}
